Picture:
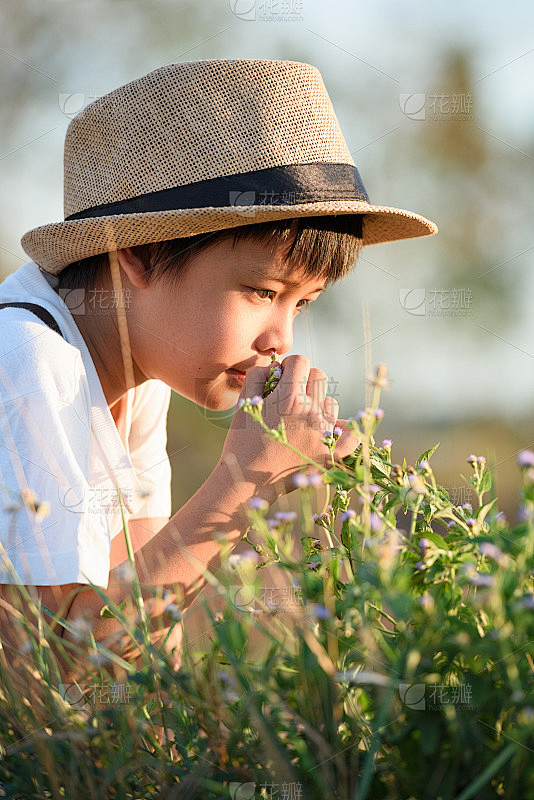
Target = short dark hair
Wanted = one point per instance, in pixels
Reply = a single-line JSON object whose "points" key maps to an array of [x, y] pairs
{"points": [[323, 247]]}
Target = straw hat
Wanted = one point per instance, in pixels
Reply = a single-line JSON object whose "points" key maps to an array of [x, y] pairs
{"points": [[201, 146]]}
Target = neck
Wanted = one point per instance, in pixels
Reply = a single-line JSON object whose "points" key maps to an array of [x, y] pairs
{"points": [[104, 327]]}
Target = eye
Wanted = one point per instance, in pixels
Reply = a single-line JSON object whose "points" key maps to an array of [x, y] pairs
{"points": [[302, 305], [264, 293]]}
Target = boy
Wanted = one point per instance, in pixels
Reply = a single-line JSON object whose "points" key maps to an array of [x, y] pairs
{"points": [[205, 204]]}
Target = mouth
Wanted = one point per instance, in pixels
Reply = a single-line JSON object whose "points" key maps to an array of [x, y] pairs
{"points": [[237, 375]]}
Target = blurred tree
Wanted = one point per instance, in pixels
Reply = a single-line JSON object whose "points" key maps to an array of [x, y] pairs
{"points": [[478, 182], [57, 47]]}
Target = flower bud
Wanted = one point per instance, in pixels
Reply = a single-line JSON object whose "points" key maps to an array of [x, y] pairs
{"points": [[525, 459]]}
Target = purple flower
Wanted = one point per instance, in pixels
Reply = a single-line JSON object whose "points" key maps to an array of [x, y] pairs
{"points": [[527, 601], [361, 415], [492, 551], [337, 432], [327, 434], [312, 565], [375, 522], [315, 517], [320, 611], [423, 464], [348, 514], [481, 580], [258, 503], [470, 522], [427, 602], [300, 480], [286, 516], [379, 413], [315, 479], [481, 460], [471, 459], [424, 543], [256, 401], [524, 514], [525, 458], [386, 443], [241, 402], [370, 491], [420, 565]]}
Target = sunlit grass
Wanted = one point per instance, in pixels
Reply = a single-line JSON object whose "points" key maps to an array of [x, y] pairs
{"points": [[397, 656]]}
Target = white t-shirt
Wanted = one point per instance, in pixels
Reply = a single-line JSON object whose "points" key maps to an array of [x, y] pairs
{"points": [[59, 439]]}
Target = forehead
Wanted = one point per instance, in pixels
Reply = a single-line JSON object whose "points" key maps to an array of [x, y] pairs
{"points": [[270, 262]]}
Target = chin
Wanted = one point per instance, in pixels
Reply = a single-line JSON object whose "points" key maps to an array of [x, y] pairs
{"points": [[216, 401]]}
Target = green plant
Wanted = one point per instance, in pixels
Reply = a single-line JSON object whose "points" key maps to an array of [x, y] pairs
{"points": [[397, 656]]}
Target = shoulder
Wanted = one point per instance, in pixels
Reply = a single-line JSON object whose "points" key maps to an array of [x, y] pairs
{"points": [[152, 395], [33, 357]]}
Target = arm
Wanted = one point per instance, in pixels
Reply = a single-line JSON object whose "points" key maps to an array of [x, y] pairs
{"points": [[250, 464], [141, 531]]}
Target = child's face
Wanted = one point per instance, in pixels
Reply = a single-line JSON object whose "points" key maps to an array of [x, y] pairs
{"points": [[230, 309]]}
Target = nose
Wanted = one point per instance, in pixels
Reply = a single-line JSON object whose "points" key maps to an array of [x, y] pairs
{"points": [[277, 334]]}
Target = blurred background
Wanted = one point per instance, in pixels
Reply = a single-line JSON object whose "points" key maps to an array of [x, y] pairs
{"points": [[435, 102]]}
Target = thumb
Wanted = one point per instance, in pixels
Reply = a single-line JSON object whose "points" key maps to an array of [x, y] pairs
{"points": [[348, 441], [254, 384]]}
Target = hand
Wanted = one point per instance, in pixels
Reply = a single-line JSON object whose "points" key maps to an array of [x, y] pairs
{"points": [[300, 399]]}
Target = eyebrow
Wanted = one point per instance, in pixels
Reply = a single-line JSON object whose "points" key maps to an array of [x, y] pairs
{"points": [[286, 281]]}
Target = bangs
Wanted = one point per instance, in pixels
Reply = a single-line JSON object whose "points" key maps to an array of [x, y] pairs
{"points": [[321, 247]]}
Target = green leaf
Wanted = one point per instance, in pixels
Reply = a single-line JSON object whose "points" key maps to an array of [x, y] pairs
{"points": [[485, 483], [336, 475], [427, 453], [107, 613], [379, 465], [436, 539], [483, 511]]}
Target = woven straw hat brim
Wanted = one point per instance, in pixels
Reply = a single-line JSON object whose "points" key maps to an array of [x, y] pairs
{"points": [[55, 246], [201, 146]]}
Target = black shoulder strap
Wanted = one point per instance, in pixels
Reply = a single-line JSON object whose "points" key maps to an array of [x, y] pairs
{"points": [[43, 315]]}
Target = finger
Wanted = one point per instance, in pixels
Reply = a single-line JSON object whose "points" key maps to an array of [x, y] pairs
{"points": [[254, 384], [316, 389], [348, 441], [295, 379], [330, 411]]}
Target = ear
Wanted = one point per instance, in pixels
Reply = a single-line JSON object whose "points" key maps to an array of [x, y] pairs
{"points": [[133, 267]]}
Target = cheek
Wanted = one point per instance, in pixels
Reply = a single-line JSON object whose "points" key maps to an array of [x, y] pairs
{"points": [[233, 326]]}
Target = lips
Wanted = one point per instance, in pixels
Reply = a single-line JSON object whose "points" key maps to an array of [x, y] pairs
{"points": [[237, 374]]}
